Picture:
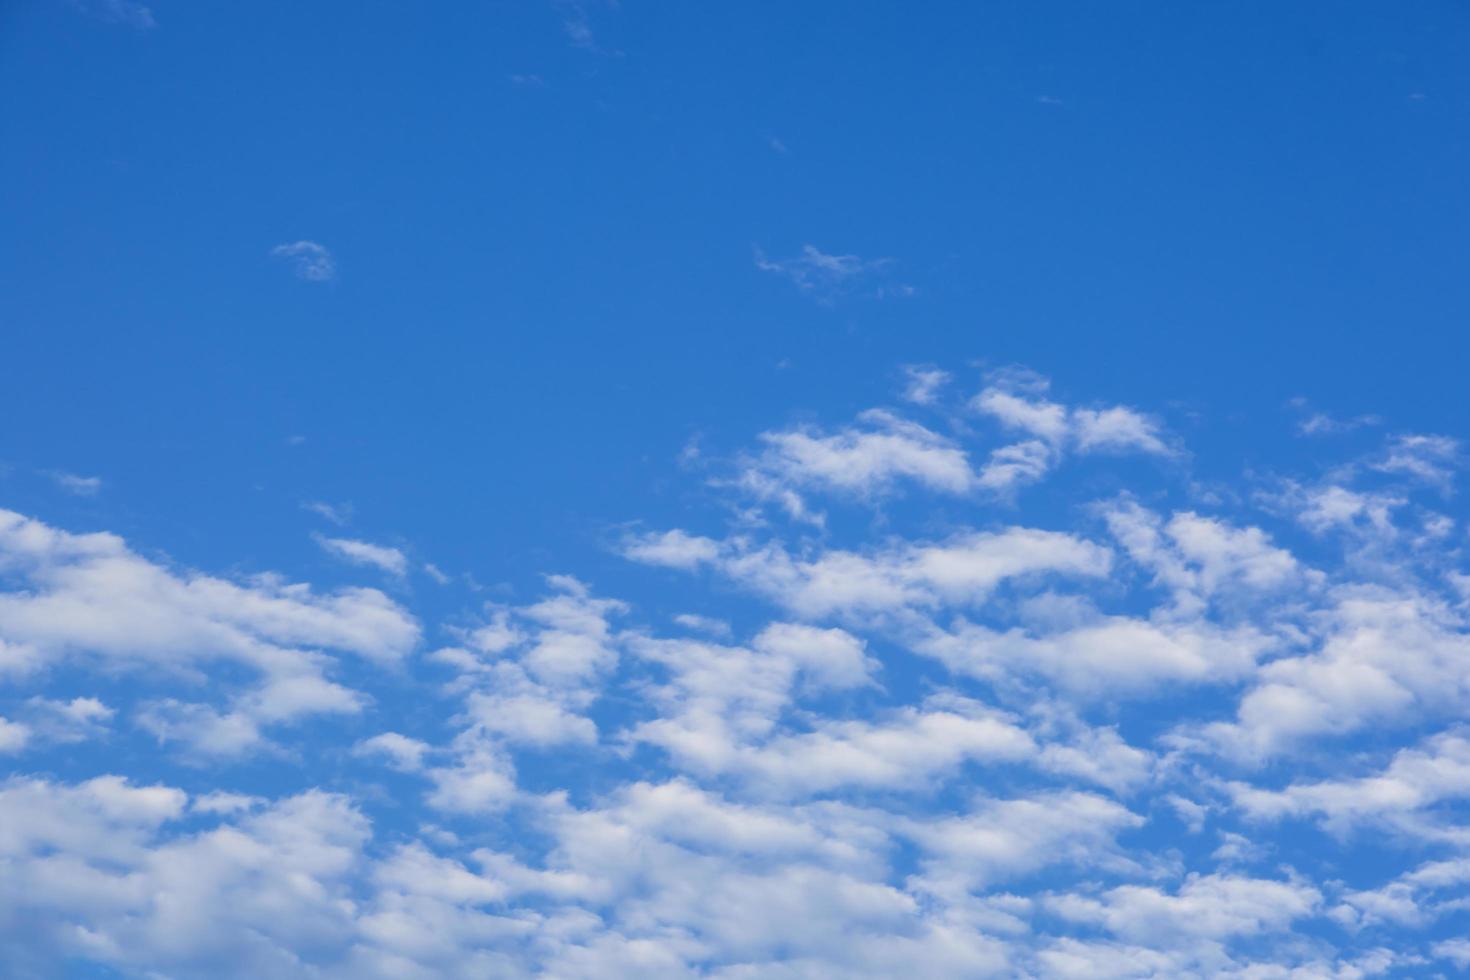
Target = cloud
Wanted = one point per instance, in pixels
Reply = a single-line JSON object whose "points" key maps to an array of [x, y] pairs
{"points": [[923, 384], [961, 570], [1415, 779], [863, 461], [399, 751], [309, 260], [827, 277], [13, 736], [389, 560], [125, 12], [1123, 727], [577, 24], [1015, 401], [80, 486], [999, 840], [76, 720], [671, 549], [1428, 459], [339, 514], [1383, 659], [882, 453], [1205, 907], [87, 601], [1316, 423]]}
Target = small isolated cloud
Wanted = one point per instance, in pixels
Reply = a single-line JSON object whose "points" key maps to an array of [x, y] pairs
{"points": [[338, 514], [923, 384], [309, 261], [390, 560], [81, 486], [125, 12], [576, 23], [828, 276], [1316, 423], [672, 549]]}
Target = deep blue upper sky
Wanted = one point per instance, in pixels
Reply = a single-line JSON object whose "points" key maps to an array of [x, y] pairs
{"points": [[544, 250]]}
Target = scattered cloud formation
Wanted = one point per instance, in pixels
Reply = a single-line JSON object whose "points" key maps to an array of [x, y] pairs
{"points": [[309, 260], [872, 714], [882, 451]]}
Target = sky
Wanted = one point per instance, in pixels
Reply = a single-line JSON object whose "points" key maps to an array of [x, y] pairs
{"points": [[582, 489]]}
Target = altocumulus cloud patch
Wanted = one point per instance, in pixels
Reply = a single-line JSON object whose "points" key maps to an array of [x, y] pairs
{"points": [[1152, 731]]}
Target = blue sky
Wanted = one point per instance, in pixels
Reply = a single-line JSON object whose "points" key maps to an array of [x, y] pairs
{"points": [[963, 491]]}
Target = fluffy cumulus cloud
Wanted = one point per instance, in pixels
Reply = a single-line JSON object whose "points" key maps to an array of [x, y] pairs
{"points": [[865, 711]]}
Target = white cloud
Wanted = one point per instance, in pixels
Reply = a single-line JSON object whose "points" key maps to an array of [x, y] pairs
{"points": [[962, 570], [87, 600], [1015, 401], [338, 514], [672, 549], [1205, 907], [1415, 779], [75, 720], [922, 384], [92, 871], [1000, 840], [1383, 658], [916, 752], [1108, 656], [390, 560], [80, 486], [1118, 430], [827, 276], [1115, 429], [14, 736], [1429, 459], [400, 751], [703, 624], [1016, 465], [309, 260], [1457, 951], [865, 461]]}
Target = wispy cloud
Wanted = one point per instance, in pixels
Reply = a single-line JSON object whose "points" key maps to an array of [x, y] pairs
{"points": [[827, 276], [1317, 423], [576, 23], [126, 12], [309, 260], [338, 514], [390, 560], [81, 486]]}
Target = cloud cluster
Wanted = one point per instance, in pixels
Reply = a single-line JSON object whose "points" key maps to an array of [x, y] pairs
{"points": [[1151, 732]]}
